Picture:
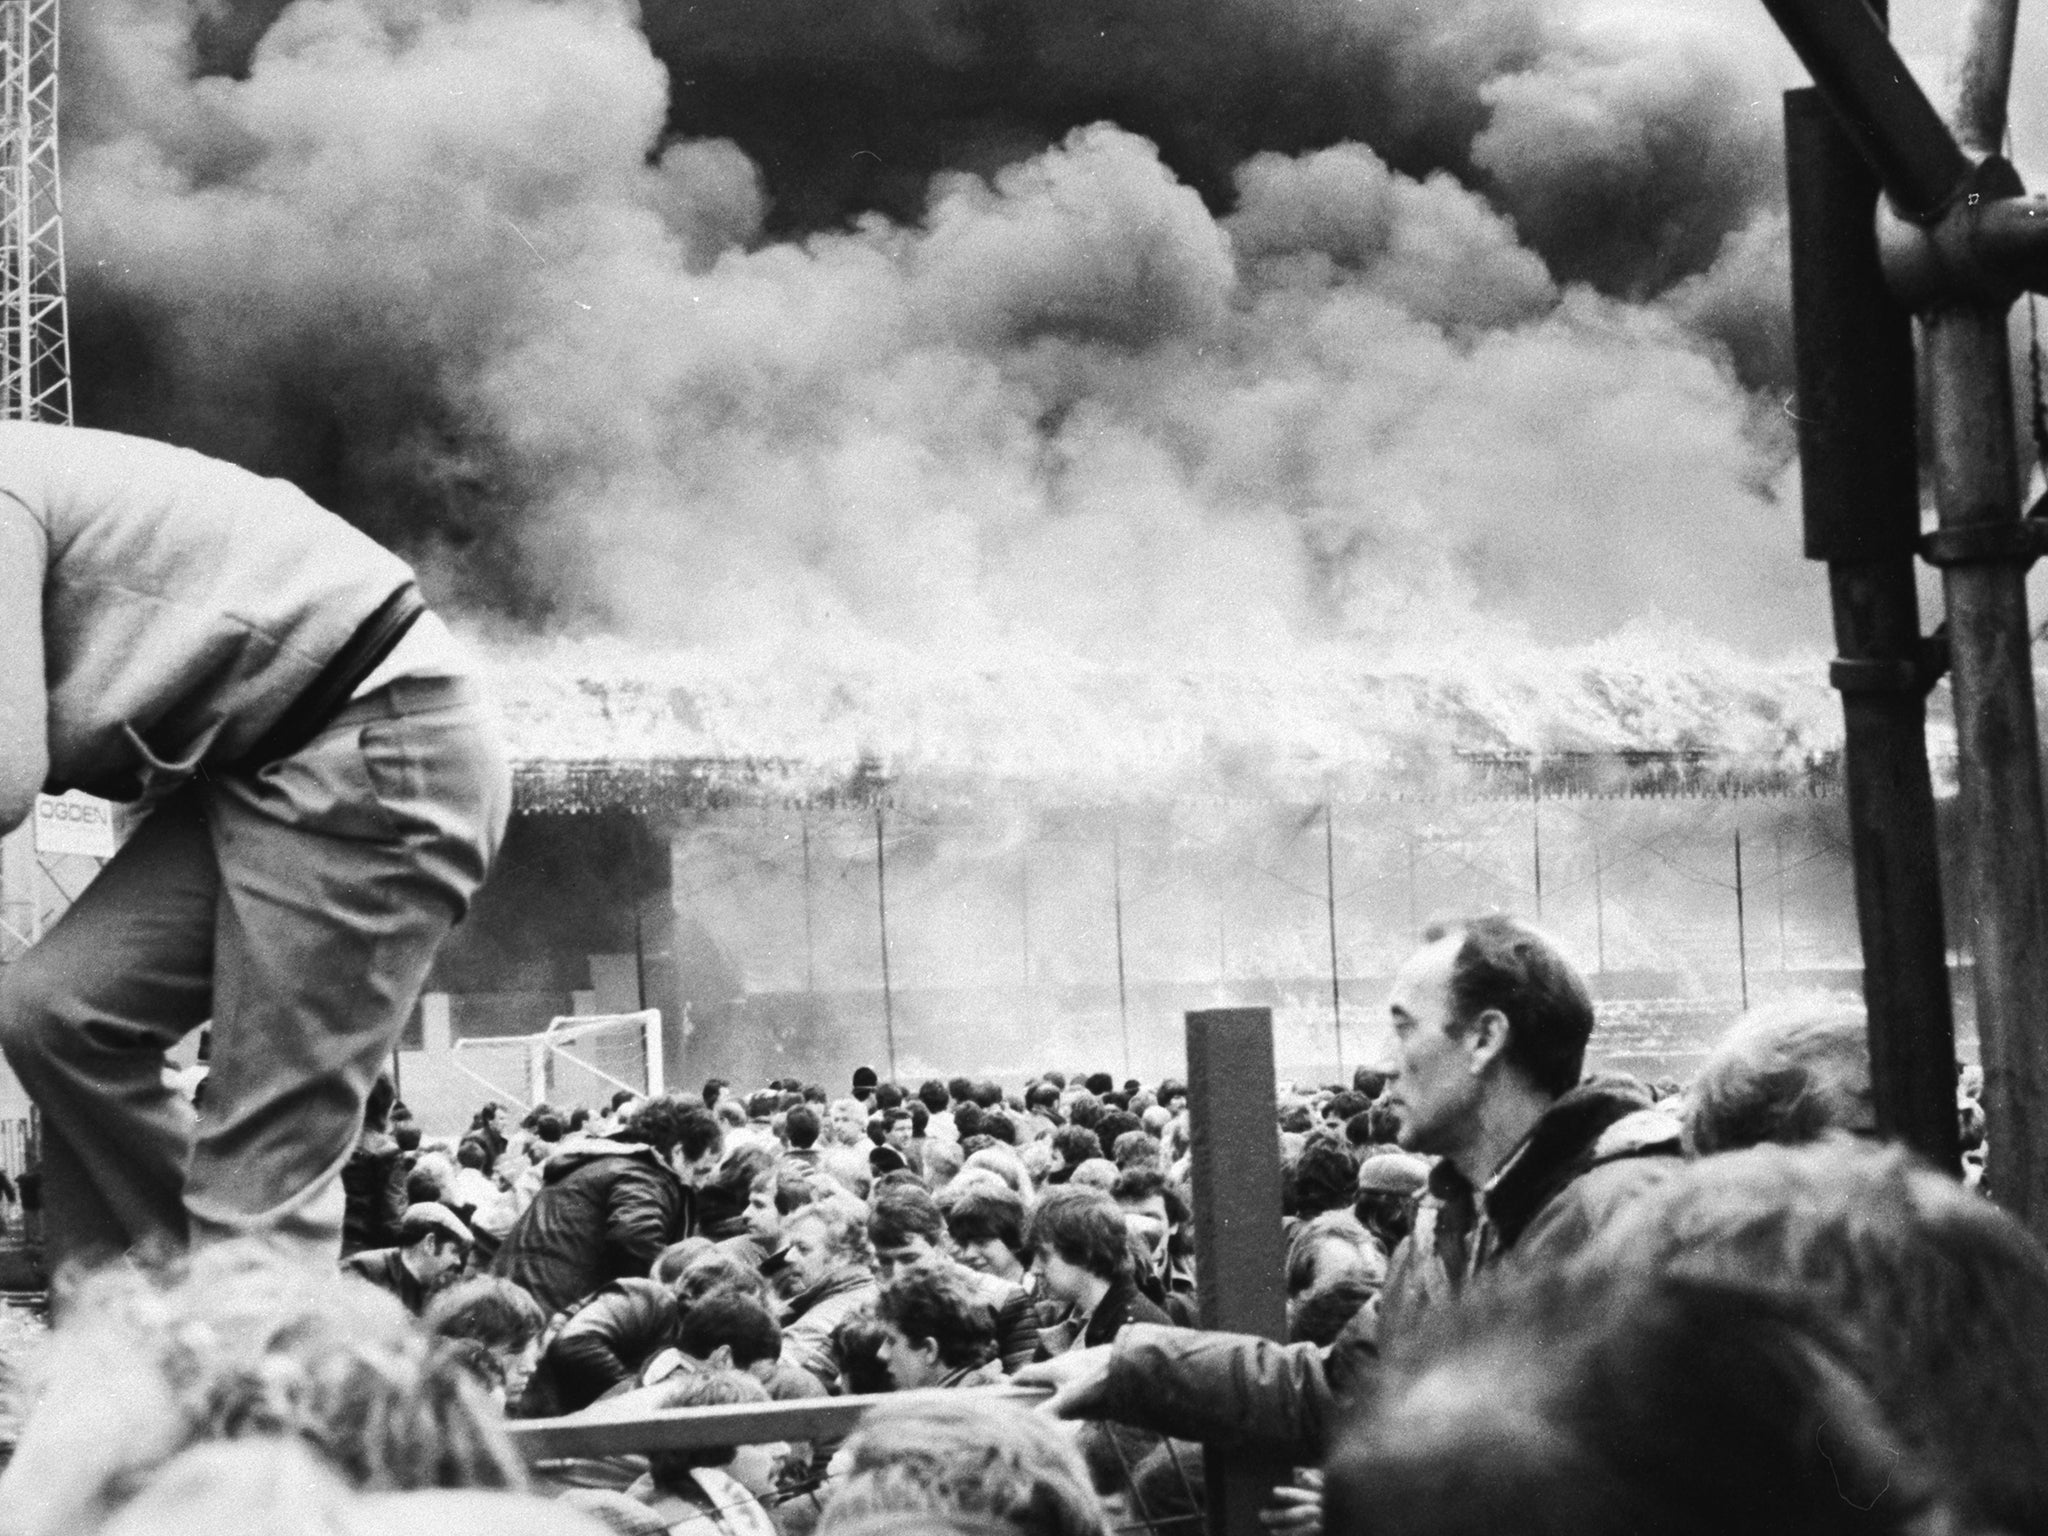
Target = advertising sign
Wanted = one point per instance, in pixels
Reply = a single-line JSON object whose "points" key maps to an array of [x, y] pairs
{"points": [[74, 823]]}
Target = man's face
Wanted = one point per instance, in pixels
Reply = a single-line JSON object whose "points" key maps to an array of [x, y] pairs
{"points": [[898, 1135], [693, 1171], [915, 1248], [763, 1220], [519, 1367], [1148, 1222], [1436, 1093], [1060, 1280], [808, 1256], [990, 1258], [438, 1262], [909, 1364]]}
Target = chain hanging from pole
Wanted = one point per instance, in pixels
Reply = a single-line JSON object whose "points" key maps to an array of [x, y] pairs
{"points": [[35, 362]]}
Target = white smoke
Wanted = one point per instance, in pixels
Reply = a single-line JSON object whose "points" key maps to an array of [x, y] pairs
{"points": [[1068, 419]]}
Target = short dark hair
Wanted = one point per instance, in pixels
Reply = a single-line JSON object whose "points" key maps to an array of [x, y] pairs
{"points": [[800, 1125], [1100, 1083], [932, 1094], [714, 1089], [1503, 963], [377, 1105], [982, 1211], [997, 1123], [960, 1088], [1623, 1404], [471, 1153], [548, 1127], [1085, 1111], [931, 1301], [903, 1211], [1115, 1124], [1325, 1178], [669, 1122], [967, 1119], [1171, 1088], [888, 1096], [490, 1311], [1343, 1106], [987, 1095], [1084, 1226], [1137, 1185], [737, 1321], [1075, 1144]]}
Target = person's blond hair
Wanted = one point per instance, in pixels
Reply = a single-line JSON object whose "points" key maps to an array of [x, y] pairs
{"points": [[962, 1458], [241, 1342]]}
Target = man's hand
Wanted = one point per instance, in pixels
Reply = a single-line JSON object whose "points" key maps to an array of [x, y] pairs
{"points": [[1079, 1379], [1296, 1510]]}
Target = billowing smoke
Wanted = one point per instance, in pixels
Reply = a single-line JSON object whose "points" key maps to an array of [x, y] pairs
{"points": [[1400, 326]]}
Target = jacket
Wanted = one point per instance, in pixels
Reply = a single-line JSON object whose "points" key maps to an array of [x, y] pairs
{"points": [[187, 604], [1592, 1152], [1016, 1317], [1123, 1303], [604, 1212], [608, 1339], [814, 1317], [373, 1185], [385, 1269]]}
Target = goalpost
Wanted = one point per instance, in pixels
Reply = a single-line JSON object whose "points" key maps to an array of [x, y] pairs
{"points": [[579, 1060]]}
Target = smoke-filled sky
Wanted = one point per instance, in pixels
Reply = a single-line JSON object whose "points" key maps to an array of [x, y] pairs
{"points": [[1182, 335]]}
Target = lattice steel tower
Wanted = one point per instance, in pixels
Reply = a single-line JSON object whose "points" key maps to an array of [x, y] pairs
{"points": [[35, 351]]}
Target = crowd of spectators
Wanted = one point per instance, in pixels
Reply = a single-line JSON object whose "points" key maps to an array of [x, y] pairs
{"points": [[1519, 1297]]}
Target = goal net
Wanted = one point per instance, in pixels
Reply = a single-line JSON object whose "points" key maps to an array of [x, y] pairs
{"points": [[578, 1061]]}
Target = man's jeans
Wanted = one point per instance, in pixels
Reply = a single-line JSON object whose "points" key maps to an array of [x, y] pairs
{"points": [[298, 906]]}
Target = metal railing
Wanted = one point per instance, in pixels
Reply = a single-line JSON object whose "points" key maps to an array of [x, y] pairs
{"points": [[1167, 1501]]}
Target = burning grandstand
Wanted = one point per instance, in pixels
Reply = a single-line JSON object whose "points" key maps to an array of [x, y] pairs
{"points": [[1105, 853], [1110, 506]]}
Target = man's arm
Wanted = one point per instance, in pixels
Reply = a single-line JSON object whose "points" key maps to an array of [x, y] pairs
{"points": [[1225, 1389], [640, 1220], [24, 704]]}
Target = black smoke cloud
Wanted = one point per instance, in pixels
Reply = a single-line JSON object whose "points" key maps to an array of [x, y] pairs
{"points": [[1103, 334]]}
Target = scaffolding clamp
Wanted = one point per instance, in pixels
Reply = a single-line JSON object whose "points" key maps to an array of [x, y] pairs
{"points": [[2008, 541], [1912, 675]]}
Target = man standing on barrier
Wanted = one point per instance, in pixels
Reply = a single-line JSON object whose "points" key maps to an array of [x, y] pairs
{"points": [[325, 793]]}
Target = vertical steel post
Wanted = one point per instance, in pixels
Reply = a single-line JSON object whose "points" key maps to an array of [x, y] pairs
{"points": [[1741, 928], [1330, 903], [810, 939], [1238, 1254], [882, 913], [1123, 1006], [1599, 916], [1860, 481]]}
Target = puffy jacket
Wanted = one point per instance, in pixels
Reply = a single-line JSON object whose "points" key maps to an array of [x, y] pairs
{"points": [[608, 1339], [373, 1184], [605, 1211], [1593, 1151]]}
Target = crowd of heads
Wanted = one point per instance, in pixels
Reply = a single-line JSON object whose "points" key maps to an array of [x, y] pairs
{"points": [[1800, 1328]]}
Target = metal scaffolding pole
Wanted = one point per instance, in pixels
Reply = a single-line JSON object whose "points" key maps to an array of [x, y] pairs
{"points": [[1853, 345], [1959, 244]]}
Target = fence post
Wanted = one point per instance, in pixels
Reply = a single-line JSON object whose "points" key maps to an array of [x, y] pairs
{"points": [[1238, 1256]]}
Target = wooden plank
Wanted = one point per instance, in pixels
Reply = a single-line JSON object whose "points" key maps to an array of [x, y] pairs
{"points": [[1238, 1251], [597, 1432]]}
